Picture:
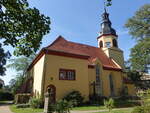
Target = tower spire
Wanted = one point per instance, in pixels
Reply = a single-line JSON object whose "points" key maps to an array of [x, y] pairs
{"points": [[106, 24]]}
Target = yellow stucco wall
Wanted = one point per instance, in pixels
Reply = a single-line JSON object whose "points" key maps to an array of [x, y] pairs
{"points": [[131, 89], [46, 72], [91, 75], [115, 53], [63, 87], [105, 82], [117, 81], [37, 72]]}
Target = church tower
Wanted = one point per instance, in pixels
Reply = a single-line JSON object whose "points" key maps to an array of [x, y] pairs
{"points": [[107, 41]]}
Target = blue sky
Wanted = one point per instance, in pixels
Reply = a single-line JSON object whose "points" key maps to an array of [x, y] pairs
{"points": [[79, 21]]}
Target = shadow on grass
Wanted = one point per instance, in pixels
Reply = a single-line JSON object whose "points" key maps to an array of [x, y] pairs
{"points": [[5, 103]]}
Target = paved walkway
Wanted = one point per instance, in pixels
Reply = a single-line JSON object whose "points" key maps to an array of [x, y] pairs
{"points": [[4, 109]]}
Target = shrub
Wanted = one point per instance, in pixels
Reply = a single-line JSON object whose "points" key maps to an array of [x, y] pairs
{"points": [[75, 98], [141, 109], [97, 100], [138, 109], [109, 104], [22, 98], [22, 106], [144, 96], [36, 103], [120, 103], [6, 96], [63, 106]]}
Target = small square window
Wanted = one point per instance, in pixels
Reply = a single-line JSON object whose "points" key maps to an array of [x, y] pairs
{"points": [[65, 74]]}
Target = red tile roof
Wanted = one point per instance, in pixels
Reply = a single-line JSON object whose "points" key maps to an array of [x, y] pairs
{"points": [[62, 45], [66, 48]]}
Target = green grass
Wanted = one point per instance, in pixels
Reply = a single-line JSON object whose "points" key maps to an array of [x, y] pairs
{"points": [[24, 110], [128, 110], [86, 108]]}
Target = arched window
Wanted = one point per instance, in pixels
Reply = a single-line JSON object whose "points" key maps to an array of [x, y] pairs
{"points": [[97, 70], [111, 85], [97, 73], [101, 44], [115, 44], [126, 90], [98, 86]]}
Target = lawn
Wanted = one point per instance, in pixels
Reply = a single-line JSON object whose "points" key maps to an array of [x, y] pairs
{"points": [[30, 110], [24, 110], [86, 108], [116, 110], [121, 110]]}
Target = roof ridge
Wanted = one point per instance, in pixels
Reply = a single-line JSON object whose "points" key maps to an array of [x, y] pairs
{"points": [[57, 39], [82, 44]]}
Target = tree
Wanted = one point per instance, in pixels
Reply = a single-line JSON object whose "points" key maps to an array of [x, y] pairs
{"points": [[15, 83], [3, 58], [21, 27], [20, 65], [140, 56], [139, 29]]}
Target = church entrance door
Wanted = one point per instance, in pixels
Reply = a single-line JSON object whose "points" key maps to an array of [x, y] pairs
{"points": [[52, 90]]}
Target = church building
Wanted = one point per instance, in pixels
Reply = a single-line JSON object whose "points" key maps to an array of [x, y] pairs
{"points": [[66, 66]]}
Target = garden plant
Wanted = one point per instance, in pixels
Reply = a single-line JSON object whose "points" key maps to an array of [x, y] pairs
{"points": [[109, 104]]}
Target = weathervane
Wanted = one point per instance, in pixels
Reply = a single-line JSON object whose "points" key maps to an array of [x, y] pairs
{"points": [[109, 3], [104, 6]]}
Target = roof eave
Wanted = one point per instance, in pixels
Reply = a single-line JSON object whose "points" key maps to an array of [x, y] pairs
{"points": [[112, 68], [55, 52]]}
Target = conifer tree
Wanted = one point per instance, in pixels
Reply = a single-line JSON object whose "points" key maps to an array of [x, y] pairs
{"points": [[139, 29]]}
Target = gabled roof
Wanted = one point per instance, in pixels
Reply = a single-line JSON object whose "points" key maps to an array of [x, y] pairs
{"points": [[60, 44], [62, 47]]}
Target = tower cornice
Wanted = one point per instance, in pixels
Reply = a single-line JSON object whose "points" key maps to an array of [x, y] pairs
{"points": [[106, 35]]}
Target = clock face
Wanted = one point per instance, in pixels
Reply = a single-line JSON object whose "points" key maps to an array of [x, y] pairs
{"points": [[107, 44]]}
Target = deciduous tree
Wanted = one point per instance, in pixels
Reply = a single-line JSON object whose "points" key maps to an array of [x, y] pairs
{"points": [[21, 27], [20, 65], [3, 57]]}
